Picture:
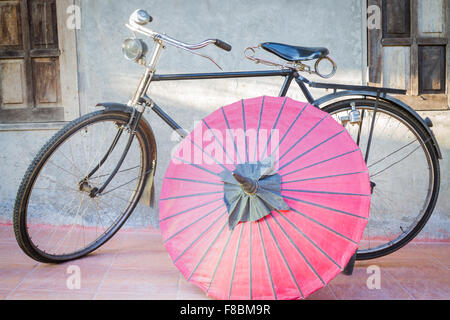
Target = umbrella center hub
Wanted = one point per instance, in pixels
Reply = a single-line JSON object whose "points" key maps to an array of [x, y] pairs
{"points": [[248, 185], [251, 192]]}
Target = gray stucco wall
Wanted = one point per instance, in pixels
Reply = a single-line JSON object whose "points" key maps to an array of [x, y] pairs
{"points": [[104, 75]]}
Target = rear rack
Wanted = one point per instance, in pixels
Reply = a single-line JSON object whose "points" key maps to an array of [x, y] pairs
{"points": [[336, 87]]}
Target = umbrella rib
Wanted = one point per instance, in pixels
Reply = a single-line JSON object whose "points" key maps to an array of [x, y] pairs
{"points": [[220, 259], [328, 192], [245, 131], [210, 156], [298, 250], [274, 127], [207, 250], [199, 236], [190, 209], [304, 136], [215, 137], [259, 128], [308, 151], [197, 166], [192, 223], [284, 258], [235, 260], [309, 239], [324, 226], [289, 129], [231, 136], [197, 181], [267, 262], [321, 162], [325, 177], [325, 207], [191, 195]]}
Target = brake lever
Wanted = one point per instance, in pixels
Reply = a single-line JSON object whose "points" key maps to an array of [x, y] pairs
{"points": [[199, 54]]}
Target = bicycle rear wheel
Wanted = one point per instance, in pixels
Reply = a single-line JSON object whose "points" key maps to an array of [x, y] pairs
{"points": [[404, 171], [55, 217]]}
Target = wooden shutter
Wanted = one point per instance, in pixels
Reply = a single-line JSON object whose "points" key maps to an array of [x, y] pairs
{"points": [[411, 51], [29, 62]]}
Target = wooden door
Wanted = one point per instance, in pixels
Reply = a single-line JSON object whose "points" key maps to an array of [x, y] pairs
{"points": [[410, 51], [29, 62]]}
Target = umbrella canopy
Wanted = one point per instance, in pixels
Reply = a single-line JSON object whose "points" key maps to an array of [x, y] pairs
{"points": [[266, 199]]}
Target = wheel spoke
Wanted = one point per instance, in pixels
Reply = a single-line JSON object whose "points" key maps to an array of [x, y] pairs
{"points": [[62, 218], [395, 163], [397, 147], [391, 154]]}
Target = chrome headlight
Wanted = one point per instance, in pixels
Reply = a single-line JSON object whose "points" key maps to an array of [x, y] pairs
{"points": [[134, 49]]}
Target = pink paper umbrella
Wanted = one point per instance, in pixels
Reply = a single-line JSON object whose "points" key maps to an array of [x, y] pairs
{"points": [[266, 199]]}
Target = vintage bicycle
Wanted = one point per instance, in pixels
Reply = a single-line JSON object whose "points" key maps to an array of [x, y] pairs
{"points": [[86, 181]]}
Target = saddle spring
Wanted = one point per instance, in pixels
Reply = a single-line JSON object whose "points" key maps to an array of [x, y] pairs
{"points": [[250, 52]]}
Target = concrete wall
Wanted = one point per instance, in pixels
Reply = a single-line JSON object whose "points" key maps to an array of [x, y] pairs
{"points": [[104, 75]]}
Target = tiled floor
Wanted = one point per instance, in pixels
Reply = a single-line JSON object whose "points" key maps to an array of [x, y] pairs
{"points": [[134, 265]]}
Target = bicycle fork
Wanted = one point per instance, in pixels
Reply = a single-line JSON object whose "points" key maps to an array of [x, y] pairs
{"points": [[138, 103], [131, 127]]}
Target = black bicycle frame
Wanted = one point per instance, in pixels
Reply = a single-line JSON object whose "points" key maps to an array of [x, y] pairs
{"points": [[289, 74]]}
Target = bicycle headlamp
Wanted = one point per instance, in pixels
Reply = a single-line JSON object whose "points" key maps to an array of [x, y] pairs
{"points": [[134, 49]]}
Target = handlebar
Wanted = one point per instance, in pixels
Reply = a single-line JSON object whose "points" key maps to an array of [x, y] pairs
{"points": [[223, 45], [140, 18]]}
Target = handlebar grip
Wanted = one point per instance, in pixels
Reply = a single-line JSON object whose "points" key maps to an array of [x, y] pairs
{"points": [[223, 45]]}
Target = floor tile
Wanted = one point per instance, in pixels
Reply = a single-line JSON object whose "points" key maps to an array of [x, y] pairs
{"points": [[10, 253], [439, 251], [12, 275], [422, 279], [144, 259], [323, 294], [133, 281], [4, 294], [58, 278], [7, 234], [25, 294], [355, 287], [189, 291], [135, 265], [133, 296]]}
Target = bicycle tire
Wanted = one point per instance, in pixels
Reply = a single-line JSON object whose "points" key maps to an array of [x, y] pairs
{"points": [[21, 204], [433, 159]]}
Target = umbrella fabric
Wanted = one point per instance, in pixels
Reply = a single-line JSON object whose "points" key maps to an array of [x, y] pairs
{"points": [[266, 199]]}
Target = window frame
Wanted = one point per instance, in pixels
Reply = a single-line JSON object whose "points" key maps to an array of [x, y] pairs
{"points": [[69, 104]]}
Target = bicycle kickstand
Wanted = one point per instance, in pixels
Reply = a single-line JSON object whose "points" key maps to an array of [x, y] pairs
{"points": [[348, 270]]}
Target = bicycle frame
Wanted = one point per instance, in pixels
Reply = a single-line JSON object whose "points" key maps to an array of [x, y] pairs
{"points": [[141, 101]]}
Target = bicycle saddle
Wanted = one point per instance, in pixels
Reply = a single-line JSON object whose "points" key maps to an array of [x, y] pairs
{"points": [[295, 54]]}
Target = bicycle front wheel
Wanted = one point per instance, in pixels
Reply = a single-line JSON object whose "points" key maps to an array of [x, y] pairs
{"points": [[56, 218], [404, 171]]}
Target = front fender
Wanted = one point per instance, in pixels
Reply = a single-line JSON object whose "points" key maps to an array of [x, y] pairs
{"points": [[320, 103], [148, 197]]}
